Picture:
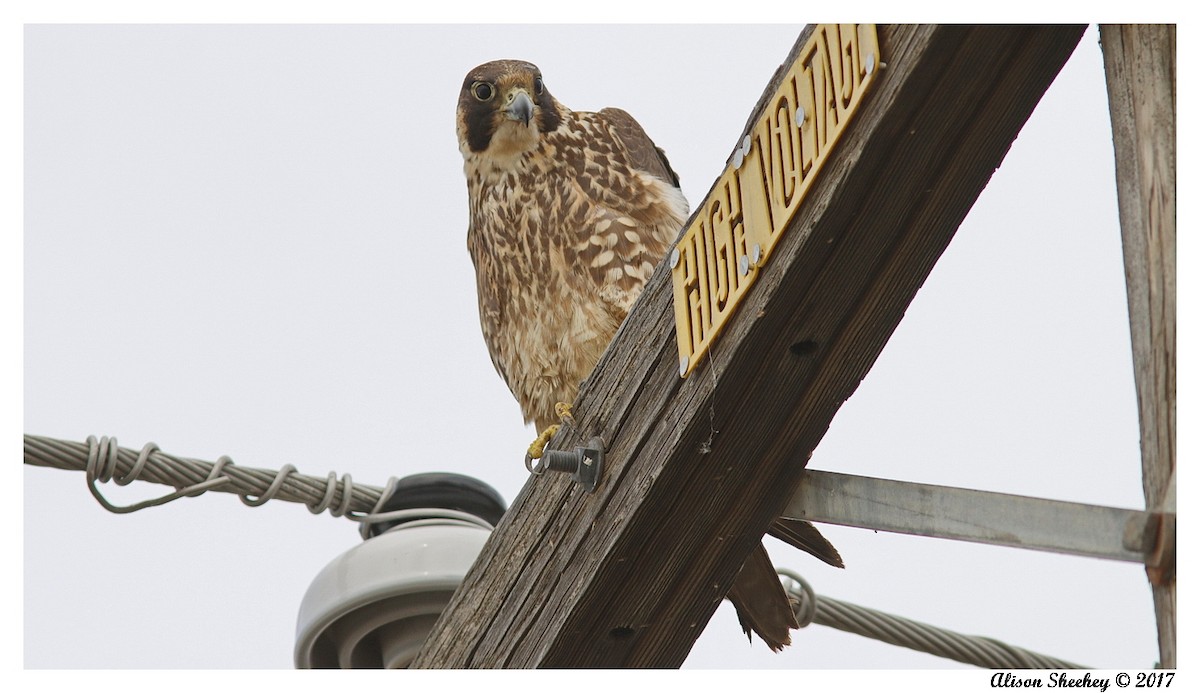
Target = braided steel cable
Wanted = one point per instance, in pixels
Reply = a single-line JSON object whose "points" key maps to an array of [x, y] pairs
{"points": [[903, 632], [102, 460]]}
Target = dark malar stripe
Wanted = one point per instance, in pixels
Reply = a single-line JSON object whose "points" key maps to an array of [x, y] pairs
{"points": [[549, 119], [481, 125]]}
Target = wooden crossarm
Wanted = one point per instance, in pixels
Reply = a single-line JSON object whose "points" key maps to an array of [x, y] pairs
{"points": [[697, 468]]}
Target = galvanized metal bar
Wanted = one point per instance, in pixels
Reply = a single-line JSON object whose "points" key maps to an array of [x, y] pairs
{"points": [[978, 516]]}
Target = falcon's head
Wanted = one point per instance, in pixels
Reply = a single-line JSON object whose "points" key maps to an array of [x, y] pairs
{"points": [[503, 107]]}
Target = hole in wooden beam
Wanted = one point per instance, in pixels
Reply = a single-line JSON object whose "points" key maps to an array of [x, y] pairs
{"points": [[806, 347], [620, 632]]}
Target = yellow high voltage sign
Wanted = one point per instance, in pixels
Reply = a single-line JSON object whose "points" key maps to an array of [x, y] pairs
{"points": [[718, 257]]}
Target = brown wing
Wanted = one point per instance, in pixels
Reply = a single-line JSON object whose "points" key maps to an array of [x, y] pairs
{"points": [[643, 153], [761, 603], [804, 536], [631, 208]]}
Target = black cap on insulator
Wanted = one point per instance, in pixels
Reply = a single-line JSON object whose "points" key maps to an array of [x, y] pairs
{"points": [[442, 490]]}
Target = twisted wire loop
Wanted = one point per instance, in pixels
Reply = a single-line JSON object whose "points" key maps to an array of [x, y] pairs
{"points": [[365, 521], [895, 630], [103, 461]]}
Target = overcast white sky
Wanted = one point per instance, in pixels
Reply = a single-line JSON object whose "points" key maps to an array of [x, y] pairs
{"points": [[250, 240]]}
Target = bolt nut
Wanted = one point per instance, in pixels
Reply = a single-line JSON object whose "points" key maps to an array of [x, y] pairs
{"points": [[584, 464]]}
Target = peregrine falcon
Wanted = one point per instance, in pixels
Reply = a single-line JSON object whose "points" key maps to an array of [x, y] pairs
{"points": [[570, 212]]}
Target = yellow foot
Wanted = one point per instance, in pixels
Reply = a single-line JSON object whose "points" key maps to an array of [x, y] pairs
{"points": [[538, 447], [563, 411]]}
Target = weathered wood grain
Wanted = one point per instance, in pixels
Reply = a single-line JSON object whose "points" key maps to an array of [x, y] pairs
{"points": [[1139, 63], [697, 469]]}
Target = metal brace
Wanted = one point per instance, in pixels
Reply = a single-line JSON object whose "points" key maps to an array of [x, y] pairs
{"points": [[1137, 536]]}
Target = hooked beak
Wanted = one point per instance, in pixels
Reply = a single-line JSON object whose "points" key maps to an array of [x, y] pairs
{"points": [[519, 106]]}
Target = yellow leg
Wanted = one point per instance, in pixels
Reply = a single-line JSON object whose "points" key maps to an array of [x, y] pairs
{"points": [[538, 447]]}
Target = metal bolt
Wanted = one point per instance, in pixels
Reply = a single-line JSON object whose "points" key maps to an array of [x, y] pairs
{"points": [[801, 116], [756, 254], [870, 63], [683, 365], [743, 265], [584, 464], [674, 257]]}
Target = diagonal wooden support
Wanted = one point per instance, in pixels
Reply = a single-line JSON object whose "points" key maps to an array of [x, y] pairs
{"points": [[697, 469], [1139, 64]]}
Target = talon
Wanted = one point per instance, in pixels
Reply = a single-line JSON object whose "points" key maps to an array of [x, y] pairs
{"points": [[538, 447], [563, 411]]}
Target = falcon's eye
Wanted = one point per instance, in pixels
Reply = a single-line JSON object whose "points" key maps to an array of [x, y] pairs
{"points": [[482, 91], [538, 87]]}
